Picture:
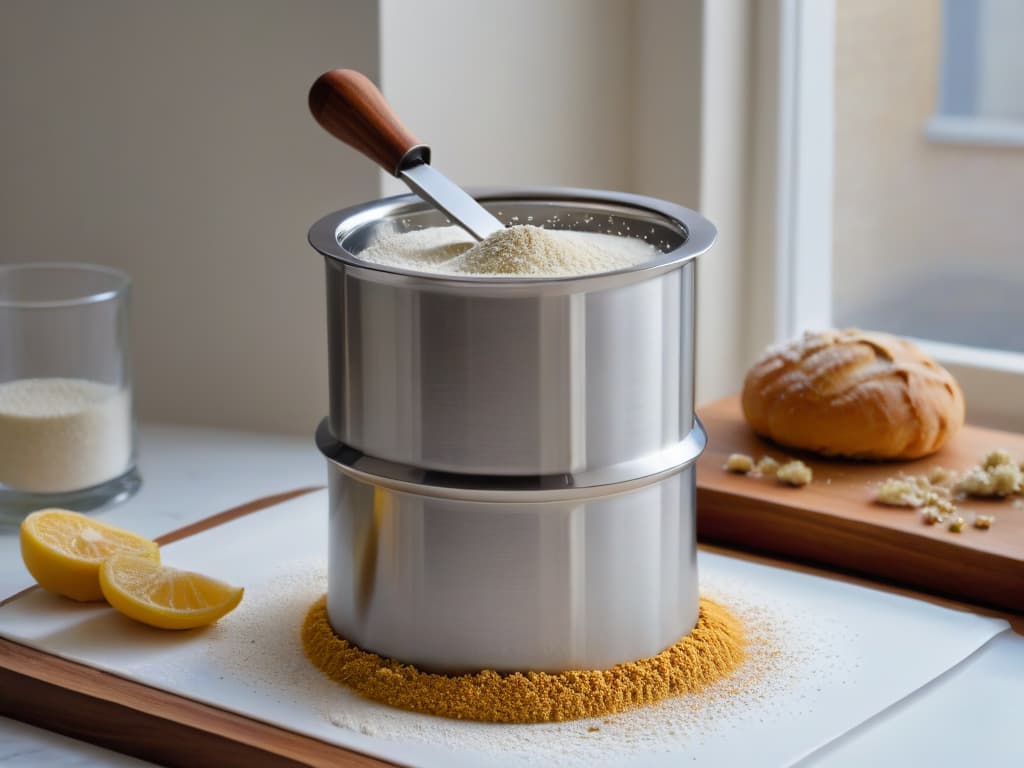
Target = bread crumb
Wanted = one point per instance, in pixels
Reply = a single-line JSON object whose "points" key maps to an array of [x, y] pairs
{"points": [[956, 525], [900, 492], [996, 458], [977, 482], [1007, 479], [931, 516], [794, 473], [984, 522], [940, 476], [766, 465], [915, 491], [922, 482], [944, 504], [739, 463], [999, 480]]}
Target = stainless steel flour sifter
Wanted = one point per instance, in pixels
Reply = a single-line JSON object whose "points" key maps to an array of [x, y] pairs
{"points": [[511, 460]]}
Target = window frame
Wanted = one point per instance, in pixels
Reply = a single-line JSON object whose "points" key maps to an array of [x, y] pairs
{"points": [[793, 206], [957, 118]]}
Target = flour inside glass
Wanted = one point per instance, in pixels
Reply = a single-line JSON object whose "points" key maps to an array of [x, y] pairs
{"points": [[63, 434]]}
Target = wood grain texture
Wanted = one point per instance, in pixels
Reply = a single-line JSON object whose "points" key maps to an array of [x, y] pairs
{"points": [[835, 521], [349, 106], [149, 723], [1015, 620], [233, 514]]}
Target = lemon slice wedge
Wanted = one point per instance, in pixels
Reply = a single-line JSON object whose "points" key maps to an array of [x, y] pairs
{"points": [[64, 550], [165, 597]]}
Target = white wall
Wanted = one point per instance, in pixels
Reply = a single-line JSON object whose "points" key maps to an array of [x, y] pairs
{"points": [[724, 349], [172, 140], [666, 93], [527, 92], [646, 96], [689, 144]]}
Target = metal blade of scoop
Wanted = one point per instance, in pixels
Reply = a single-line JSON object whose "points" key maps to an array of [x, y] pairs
{"points": [[435, 188]]}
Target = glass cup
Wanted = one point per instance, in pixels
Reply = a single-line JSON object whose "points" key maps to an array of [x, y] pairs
{"points": [[67, 436]]}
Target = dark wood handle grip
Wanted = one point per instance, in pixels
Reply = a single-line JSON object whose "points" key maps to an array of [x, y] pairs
{"points": [[349, 106]]}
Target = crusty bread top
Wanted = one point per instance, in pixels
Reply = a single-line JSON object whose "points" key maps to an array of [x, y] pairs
{"points": [[853, 393]]}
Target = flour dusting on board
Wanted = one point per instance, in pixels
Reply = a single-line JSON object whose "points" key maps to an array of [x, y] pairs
{"points": [[259, 645]]}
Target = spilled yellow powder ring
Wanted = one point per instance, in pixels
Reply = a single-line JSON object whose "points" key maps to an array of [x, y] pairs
{"points": [[711, 652]]}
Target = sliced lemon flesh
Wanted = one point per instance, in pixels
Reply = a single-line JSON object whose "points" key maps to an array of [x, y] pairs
{"points": [[165, 597], [64, 550]]}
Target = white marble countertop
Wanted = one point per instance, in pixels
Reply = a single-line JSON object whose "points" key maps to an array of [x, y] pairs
{"points": [[966, 717]]}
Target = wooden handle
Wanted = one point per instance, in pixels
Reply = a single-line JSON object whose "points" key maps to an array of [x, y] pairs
{"points": [[350, 107]]}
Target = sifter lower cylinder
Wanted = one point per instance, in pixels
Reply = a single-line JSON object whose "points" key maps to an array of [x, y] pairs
{"points": [[458, 574]]}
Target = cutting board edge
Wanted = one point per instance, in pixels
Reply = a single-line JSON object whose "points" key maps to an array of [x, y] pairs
{"points": [[775, 529], [110, 711]]}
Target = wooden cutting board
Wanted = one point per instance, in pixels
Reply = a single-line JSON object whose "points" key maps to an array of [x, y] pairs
{"points": [[835, 521]]}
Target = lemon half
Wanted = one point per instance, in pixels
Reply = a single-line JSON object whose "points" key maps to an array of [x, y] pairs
{"points": [[165, 597], [64, 550]]}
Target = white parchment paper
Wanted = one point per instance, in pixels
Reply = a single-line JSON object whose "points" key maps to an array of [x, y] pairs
{"points": [[826, 657]]}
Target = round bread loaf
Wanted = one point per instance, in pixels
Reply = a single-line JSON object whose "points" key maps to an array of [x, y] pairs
{"points": [[853, 393]]}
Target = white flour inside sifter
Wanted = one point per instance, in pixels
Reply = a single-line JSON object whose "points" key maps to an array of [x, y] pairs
{"points": [[518, 251], [59, 435]]}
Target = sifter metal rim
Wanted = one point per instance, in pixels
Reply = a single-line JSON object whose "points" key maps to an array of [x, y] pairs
{"points": [[606, 481], [699, 235]]}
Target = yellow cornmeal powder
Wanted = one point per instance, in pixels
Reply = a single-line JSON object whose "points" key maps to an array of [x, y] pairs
{"points": [[714, 648]]}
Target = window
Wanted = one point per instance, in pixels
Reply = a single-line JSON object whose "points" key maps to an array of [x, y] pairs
{"points": [[874, 223], [981, 74]]}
